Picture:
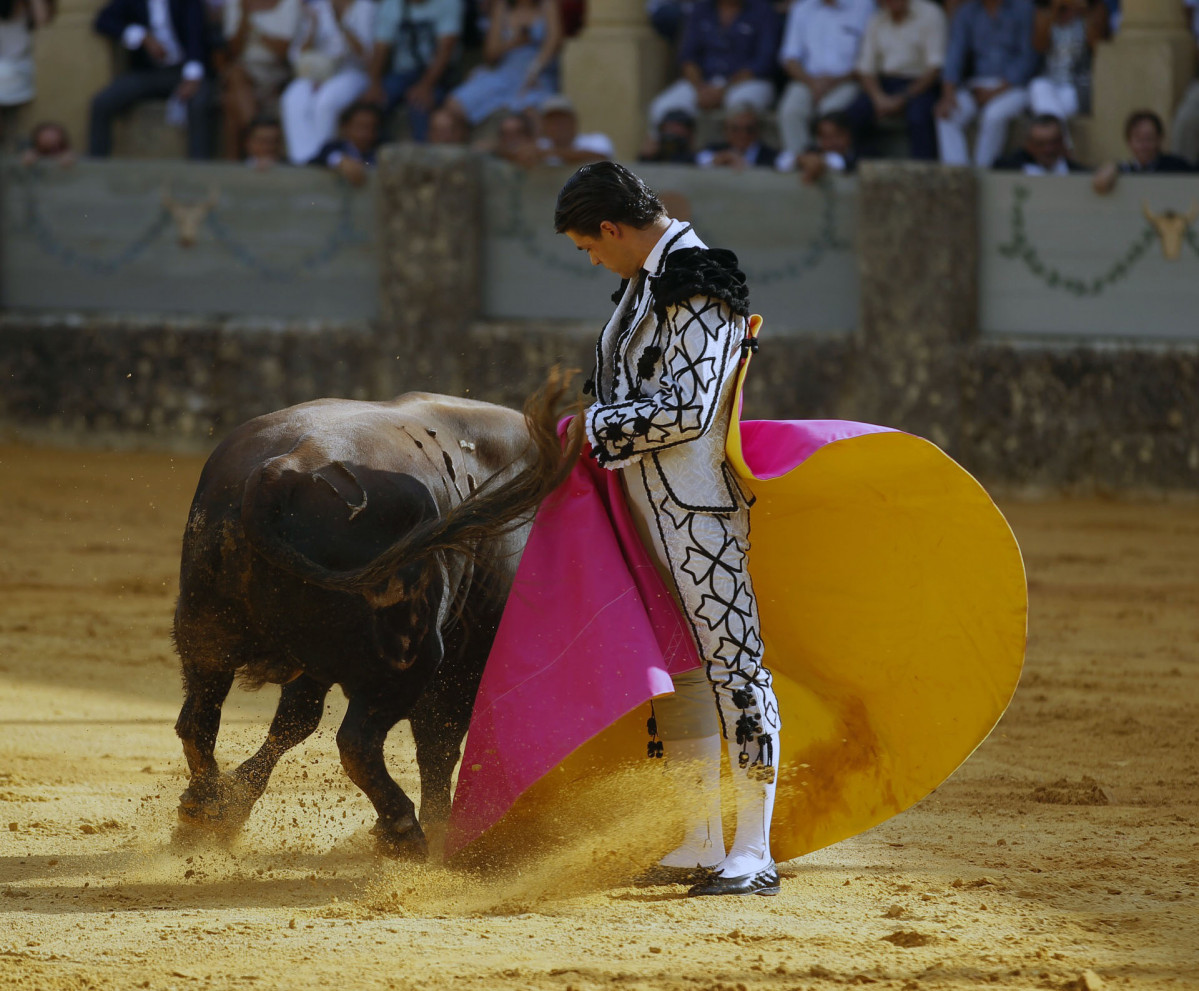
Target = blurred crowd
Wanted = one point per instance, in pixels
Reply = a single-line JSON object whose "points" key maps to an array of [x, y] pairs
{"points": [[807, 86]]}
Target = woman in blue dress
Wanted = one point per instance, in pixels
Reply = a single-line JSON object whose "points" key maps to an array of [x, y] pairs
{"points": [[521, 52]]}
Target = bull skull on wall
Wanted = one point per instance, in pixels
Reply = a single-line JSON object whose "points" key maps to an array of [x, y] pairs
{"points": [[189, 216], [1170, 227]]}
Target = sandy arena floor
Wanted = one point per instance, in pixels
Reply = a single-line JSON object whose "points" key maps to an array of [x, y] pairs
{"points": [[1069, 842]]}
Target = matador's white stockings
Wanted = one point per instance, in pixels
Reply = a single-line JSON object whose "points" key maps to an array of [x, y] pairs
{"points": [[688, 727]]}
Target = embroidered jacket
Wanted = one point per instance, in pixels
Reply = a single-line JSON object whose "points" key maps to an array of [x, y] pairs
{"points": [[665, 371]]}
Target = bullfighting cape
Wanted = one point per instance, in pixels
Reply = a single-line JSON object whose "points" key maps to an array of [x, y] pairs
{"points": [[893, 604]]}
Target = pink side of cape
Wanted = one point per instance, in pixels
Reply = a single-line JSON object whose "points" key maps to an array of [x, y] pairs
{"points": [[590, 631]]}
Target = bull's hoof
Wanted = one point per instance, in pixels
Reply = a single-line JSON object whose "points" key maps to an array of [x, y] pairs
{"points": [[222, 809], [401, 840]]}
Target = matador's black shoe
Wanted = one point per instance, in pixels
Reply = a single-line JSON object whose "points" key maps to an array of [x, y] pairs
{"points": [[660, 874], [763, 882]]}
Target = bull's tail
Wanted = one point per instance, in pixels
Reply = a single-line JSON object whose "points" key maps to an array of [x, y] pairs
{"points": [[494, 509]]}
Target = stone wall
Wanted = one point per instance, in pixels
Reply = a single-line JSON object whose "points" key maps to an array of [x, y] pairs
{"points": [[1084, 416]]}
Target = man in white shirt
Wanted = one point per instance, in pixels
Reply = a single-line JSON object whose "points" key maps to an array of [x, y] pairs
{"points": [[167, 44], [900, 71], [820, 53]]}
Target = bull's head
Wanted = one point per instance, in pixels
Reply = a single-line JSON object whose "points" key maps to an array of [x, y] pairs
{"points": [[189, 216], [1170, 227]]}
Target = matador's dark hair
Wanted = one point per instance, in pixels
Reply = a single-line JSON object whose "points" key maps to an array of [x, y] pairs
{"points": [[603, 191]]}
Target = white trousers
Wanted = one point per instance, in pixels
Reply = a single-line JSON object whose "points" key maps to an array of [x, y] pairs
{"points": [[704, 559], [1059, 100], [993, 124], [310, 112], [797, 108], [681, 95]]}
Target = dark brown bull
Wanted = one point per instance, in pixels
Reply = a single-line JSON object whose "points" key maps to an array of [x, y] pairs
{"points": [[366, 545]]}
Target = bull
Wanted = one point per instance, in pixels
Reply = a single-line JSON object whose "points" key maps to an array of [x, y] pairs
{"points": [[360, 544]]}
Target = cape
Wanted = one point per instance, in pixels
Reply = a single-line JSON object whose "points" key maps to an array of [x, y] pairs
{"points": [[893, 604]]}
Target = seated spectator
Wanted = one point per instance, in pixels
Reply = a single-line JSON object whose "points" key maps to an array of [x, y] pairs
{"points": [[416, 42], [254, 63], [560, 142], [446, 128], [353, 153], [832, 151], [18, 18], [1144, 133], [515, 142], [330, 54], [742, 145], [727, 58], [819, 54], [1066, 33], [1185, 130], [900, 70], [674, 142], [521, 52], [50, 143], [264, 143], [988, 64], [167, 45], [1044, 151]]}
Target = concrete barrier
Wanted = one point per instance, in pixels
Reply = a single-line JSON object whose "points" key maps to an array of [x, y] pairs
{"points": [[477, 297]]}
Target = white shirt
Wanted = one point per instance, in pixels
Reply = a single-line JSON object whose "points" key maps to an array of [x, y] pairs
{"points": [[319, 24], [908, 48], [164, 32], [824, 38]]}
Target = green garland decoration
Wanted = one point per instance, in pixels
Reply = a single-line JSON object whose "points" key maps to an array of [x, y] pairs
{"points": [[1020, 248]]}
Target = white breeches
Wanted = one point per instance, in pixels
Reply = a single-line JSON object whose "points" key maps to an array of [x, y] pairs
{"points": [[310, 112], [993, 123]]}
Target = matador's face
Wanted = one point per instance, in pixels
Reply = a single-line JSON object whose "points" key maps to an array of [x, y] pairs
{"points": [[612, 249]]}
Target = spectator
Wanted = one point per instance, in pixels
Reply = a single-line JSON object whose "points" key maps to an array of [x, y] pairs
{"points": [[167, 46], [521, 51], [1143, 131], [264, 143], [446, 128], [674, 142], [18, 18], [1185, 132], [727, 56], [353, 153], [832, 151], [1066, 33], [900, 71], [742, 146], [48, 142], [415, 45], [992, 41], [819, 54], [515, 142], [560, 142], [1044, 151], [254, 63], [330, 54]]}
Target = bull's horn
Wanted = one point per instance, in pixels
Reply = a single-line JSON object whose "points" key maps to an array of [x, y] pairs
{"points": [[1148, 213]]}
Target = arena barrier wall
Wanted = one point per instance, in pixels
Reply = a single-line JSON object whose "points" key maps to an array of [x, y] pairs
{"points": [[898, 319]]}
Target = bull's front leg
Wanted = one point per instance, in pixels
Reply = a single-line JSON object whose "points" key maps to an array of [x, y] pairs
{"points": [[360, 741], [197, 727]]}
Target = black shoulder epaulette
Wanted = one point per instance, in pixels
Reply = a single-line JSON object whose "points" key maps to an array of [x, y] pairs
{"points": [[691, 272]]}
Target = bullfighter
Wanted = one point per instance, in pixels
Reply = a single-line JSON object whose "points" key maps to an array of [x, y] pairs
{"points": [[664, 383]]}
